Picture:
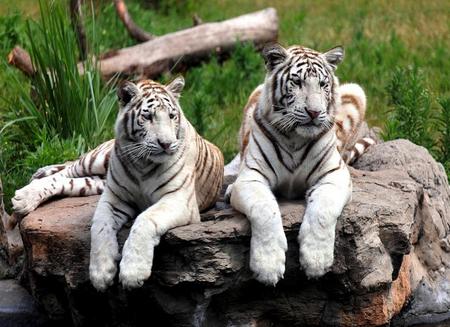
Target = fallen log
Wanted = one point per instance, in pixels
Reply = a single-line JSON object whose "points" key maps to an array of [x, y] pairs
{"points": [[175, 51], [189, 46]]}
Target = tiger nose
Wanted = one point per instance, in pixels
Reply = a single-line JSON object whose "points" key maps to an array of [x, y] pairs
{"points": [[312, 113], [164, 145]]}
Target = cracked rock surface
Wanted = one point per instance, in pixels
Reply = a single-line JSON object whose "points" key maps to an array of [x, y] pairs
{"points": [[392, 259]]}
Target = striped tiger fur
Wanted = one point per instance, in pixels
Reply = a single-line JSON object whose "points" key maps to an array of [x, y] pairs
{"points": [[160, 173], [297, 134]]}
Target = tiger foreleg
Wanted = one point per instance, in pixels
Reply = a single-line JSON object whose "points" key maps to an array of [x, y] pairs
{"points": [[253, 197], [170, 211], [40, 190], [325, 202], [110, 215]]}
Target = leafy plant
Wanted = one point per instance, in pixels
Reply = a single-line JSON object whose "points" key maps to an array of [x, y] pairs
{"points": [[11, 31], [412, 116], [63, 101], [415, 115], [64, 110]]}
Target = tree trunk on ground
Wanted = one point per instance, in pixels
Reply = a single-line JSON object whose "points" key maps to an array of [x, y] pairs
{"points": [[175, 52], [184, 48]]}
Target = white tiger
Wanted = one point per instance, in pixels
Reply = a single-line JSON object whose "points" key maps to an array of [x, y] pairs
{"points": [[160, 172], [289, 149]]}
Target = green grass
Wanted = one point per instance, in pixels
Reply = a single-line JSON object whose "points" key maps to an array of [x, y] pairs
{"points": [[417, 116], [60, 109], [63, 102], [379, 37], [412, 115], [397, 50], [216, 93]]}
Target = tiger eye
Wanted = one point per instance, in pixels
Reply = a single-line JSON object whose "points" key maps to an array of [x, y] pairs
{"points": [[297, 81]]}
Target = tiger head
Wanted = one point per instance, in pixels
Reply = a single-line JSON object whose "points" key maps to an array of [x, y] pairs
{"points": [[148, 127], [300, 89]]}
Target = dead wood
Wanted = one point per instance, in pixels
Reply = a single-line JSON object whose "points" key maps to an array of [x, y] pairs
{"points": [[135, 31], [20, 58], [177, 51]]}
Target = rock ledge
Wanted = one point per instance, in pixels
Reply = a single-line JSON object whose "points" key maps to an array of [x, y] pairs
{"points": [[392, 259]]}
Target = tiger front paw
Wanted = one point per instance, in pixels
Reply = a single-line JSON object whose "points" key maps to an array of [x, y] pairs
{"points": [[316, 257], [133, 275], [27, 199], [268, 258], [102, 270], [137, 254], [135, 268]]}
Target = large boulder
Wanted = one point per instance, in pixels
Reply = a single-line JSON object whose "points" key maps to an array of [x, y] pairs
{"points": [[392, 259]]}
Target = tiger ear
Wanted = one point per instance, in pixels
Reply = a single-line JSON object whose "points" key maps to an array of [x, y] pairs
{"points": [[274, 54], [176, 86], [335, 56], [126, 91]]}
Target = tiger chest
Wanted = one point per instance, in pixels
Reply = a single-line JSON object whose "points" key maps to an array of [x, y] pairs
{"points": [[291, 185]]}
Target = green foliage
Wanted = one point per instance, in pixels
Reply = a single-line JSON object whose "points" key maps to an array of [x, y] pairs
{"points": [[378, 37], [61, 109], [48, 152], [52, 151], [414, 116], [215, 95], [11, 32], [62, 101]]}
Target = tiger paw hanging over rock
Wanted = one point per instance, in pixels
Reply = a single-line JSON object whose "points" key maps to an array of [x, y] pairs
{"points": [[391, 264]]}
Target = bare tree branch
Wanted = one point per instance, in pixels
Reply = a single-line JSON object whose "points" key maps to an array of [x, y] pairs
{"points": [[135, 32], [76, 16]]}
